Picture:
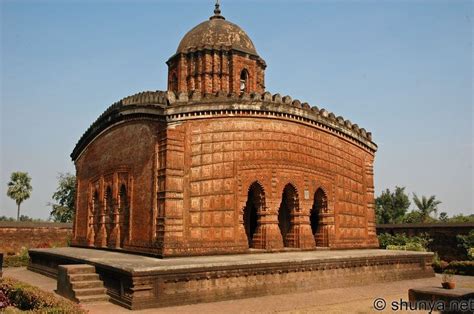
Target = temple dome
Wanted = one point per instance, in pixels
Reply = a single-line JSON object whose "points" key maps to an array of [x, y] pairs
{"points": [[216, 33]]}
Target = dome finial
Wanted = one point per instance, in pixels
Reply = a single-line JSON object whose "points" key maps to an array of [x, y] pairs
{"points": [[217, 12]]}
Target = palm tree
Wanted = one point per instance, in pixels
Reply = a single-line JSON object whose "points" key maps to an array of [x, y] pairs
{"points": [[426, 206], [19, 189]]}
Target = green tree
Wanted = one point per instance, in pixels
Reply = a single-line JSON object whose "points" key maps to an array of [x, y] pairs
{"points": [[413, 217], [443, 216], [65, 196], [462, 218], [426, 206], [19, 188], [27, 218], [390, 207], [5, 218]]}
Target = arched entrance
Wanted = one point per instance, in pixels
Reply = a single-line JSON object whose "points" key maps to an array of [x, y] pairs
{"points": [[124, 215], [289, 203], [96, 212], [320, 206], [108, 213], [255, 203]]}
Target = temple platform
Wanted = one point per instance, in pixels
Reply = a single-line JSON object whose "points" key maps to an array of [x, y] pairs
{"points": [[138, 282]]}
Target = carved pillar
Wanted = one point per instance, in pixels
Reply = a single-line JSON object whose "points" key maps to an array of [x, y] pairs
{"points": [[90, 224], [170, 221], [207, 75], [181, 74], [114, 239], [329, 225], [191, 70], [322, 235], [215, 72], [161, 191], [268, 235], [96, 223], [101, 237], [225, 77], [260, 87], [123, 230], [371, 223], [199, 67], [300, 235]]}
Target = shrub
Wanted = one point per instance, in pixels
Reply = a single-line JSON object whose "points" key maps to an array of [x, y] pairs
{"points": [[386, 239], [400, 241], [4, 301], [29, 298], [466, 242], [462, 267], [415, 246], [15, 261], [408, 247], [438, 265], [18, 260]]}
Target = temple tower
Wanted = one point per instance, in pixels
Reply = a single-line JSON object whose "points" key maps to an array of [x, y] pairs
{"points": [[216, 56]]}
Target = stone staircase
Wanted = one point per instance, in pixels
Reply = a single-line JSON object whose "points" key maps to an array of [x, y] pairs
{"points": [[81, 284]]}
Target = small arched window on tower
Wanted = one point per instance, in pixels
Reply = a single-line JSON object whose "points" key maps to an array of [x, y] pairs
{"points": [[244, 81]]}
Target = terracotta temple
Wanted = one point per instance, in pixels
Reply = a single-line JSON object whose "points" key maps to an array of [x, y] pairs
{"points": [[216, 164]]}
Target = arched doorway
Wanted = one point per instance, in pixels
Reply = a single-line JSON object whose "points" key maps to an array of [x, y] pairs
{"points": [[320, 206], [124, 214], [255, 203], [289, 203], [93, 221], [108, 213]]}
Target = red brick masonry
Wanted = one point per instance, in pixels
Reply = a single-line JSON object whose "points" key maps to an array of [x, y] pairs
{"points": [[217, 174], [15, 235]]}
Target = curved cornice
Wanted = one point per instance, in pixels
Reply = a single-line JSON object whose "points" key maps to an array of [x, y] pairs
{"points": [[171, 107]]}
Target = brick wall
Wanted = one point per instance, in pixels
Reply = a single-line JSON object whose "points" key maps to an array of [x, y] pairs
{"points": [[15, 235], [188, 185], [443, 235], [100, 170], [225, 156]]}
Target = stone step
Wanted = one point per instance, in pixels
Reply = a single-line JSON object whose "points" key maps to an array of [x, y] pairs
{"points": [[80, 269], [92, 298], [87, 284], [81, 284], [83, 277], [89, 291]]}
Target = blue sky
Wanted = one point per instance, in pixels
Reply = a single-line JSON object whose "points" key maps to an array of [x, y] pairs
{"points": [[400, 69]]}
